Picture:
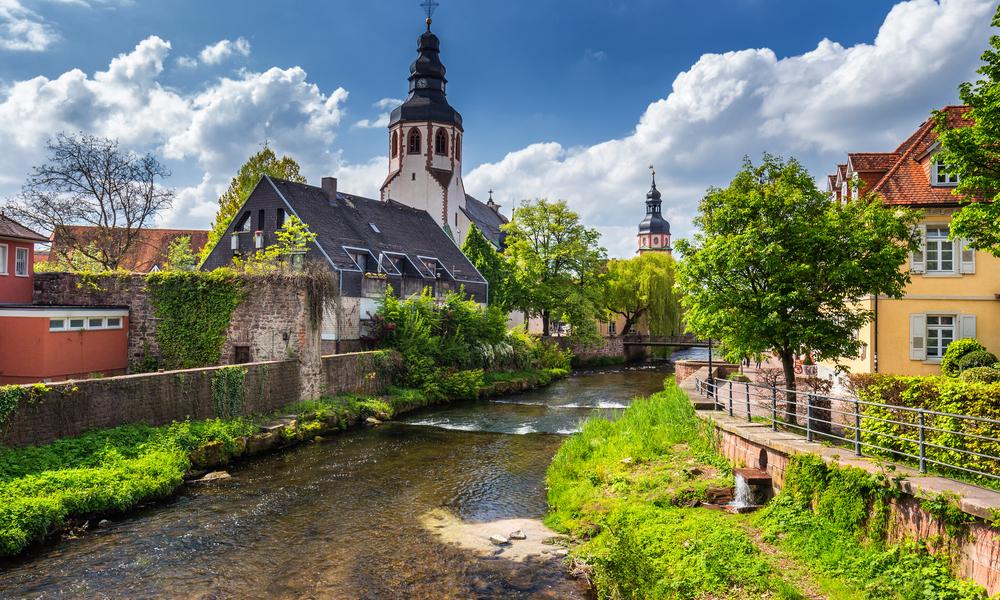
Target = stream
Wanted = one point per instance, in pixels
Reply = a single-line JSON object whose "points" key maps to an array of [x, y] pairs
{"points": [[343, 518]]}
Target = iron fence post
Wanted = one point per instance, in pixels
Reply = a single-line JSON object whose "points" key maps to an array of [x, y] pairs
{"points": [[774, 408], [857, 427], [749, 418], [923, 450], [730, 398], [809, 417]]}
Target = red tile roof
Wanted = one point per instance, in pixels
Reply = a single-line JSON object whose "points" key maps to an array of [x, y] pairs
{"points": [[149, 250], [9, 228], [872, 161]]}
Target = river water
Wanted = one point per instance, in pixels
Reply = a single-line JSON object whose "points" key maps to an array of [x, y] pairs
{"points": [[342, 518]]}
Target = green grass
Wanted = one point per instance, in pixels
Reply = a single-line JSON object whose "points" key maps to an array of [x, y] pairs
{"points": [[624, 490], [116, 469]]}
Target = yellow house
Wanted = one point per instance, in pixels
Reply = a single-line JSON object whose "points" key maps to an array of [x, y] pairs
{"points": [[954, 292]]}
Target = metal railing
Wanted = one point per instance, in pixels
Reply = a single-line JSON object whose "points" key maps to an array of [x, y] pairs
{"points": [[928, 439]]}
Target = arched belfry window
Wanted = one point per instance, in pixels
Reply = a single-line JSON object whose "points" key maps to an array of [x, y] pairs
{"points": [[413, 145], [458, 147], [394, 145], [441, 142]]}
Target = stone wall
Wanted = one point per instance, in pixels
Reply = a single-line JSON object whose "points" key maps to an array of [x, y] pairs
{"points": [[685, 368], [609, 348], [755, 445], [71, 408]]}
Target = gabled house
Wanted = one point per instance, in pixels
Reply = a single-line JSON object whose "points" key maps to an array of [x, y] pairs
{"points": [[368, 244], [955, 290], [45, 343], [147, 254]]}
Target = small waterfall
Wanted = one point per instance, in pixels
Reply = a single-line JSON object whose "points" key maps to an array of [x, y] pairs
{"points": [[744, 496]]}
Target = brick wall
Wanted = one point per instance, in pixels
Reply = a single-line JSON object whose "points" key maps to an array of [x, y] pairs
{"points": [[74, 407]]}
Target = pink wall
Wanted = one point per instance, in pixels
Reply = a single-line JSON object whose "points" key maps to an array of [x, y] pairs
{"points": [[14, 289]]}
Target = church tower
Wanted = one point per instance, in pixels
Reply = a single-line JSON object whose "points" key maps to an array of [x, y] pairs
{"points": [[425, 144], [654, 231]]}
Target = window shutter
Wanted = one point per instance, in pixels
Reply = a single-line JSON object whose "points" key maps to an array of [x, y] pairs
{"points": [[968, 258], [917, 257], [967, 326], [918, 334]]}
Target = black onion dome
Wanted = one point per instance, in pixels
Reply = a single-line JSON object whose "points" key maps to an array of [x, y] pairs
{"points": [[427, 101], [654, 221]]}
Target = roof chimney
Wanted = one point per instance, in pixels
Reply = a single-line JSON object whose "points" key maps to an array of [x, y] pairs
{"points": [[329, 186]]}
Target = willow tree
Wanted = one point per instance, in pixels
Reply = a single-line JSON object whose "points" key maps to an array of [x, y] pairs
{"points": [[640, 288], [776, 267], [265, 162]]}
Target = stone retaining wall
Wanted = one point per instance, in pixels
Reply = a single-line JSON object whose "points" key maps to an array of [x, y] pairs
{"points": [[755, 445], [73, 407]]}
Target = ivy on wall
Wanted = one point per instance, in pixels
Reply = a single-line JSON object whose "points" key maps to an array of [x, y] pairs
{"points": [[227, 391], [194, 309], [13, 395]]}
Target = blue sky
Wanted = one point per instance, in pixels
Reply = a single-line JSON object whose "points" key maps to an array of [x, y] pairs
{"points": [[560, 99]]}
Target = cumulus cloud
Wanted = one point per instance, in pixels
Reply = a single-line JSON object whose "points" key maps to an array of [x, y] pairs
{"points": [[382, 121], [223, 50], [203, 135], [22, 29], [816, 106]]}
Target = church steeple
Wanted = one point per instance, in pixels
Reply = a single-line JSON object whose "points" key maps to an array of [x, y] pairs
{"points": [[428, 86], [654, 230]]}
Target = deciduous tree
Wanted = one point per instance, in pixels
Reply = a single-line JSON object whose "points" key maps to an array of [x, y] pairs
{"points": [[556, 263], [973, 153], [777, 267], [265, 162], [92, 181], [643, 287], [180, 256], [492, 265]]}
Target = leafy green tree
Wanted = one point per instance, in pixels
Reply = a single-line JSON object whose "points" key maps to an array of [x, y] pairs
{"points": [[973, 153], [643, 287], [491, 265], [294, 237], [777, 267], [556, 264], [265, 162], [180, 256]]}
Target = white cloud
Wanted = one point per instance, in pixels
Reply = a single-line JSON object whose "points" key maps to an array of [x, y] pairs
{"points": [[816, 106], [203, 136], [382, 121], [22, 29], [223, 50]]}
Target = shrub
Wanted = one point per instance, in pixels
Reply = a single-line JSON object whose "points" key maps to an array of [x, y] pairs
{"points": [[956, 350], [895, 432], [981, 375], [977, 358]]}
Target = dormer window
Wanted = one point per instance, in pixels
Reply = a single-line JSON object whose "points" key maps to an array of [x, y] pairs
{"points": [[243, 225], [941, 176], [843, 190]]}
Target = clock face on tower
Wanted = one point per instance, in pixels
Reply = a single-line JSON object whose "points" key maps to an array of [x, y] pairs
{"points": [[421, 83]]}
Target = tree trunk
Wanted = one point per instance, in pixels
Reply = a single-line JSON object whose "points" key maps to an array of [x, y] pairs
{"points": [[629, 322], [545, 323], [788, 365]]}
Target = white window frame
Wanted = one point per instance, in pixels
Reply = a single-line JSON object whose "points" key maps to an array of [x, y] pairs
{"points": [[612, 328], [937, 171], [103, 323], [71, 327], [61, 327], [27, 261], [4, 258], [939, 328], [941, 246]]}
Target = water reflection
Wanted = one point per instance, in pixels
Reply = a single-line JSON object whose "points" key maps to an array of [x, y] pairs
{"points": [[341, 518]]}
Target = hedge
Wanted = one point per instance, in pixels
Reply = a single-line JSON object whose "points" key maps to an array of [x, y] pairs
{"points": [[941, 394]]}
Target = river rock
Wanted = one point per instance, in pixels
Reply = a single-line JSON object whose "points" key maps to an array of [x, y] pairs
{"points": [[211, 454], [499, 540], [517, 535], [372, 422], [214, 476], [104, 523]]}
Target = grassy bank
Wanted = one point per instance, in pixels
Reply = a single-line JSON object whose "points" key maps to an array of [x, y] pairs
{"points": [[116, 469], [629, 492]]}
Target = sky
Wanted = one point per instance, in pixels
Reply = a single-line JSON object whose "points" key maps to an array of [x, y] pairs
{"points": [[561, 99]]}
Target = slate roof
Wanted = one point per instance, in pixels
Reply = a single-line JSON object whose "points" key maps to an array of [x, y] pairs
{"points": [[9, 228], [348, 221], [148, 251], [486, 219]]}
